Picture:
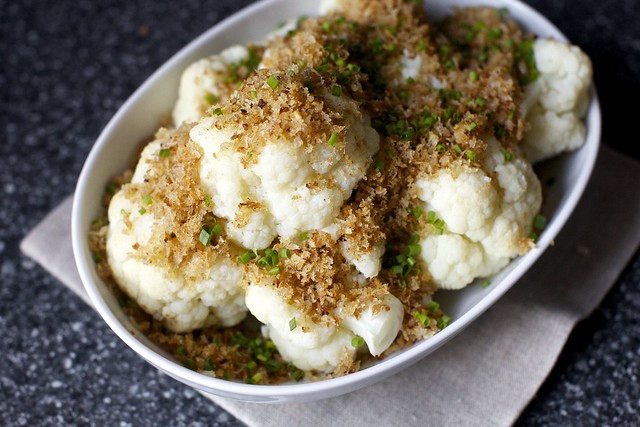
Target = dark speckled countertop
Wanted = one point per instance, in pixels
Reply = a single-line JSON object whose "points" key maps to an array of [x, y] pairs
{"points": [[66, 66]]}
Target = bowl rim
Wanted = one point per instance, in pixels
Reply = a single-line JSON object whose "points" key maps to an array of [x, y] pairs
{"points": [[307, 391]]}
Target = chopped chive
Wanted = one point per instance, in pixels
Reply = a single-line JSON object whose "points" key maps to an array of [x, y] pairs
{"points": [[181, 351], [485, 284], [379, 164], [254, 94], [255, 379], [273, 82], [471, 155], [304, 235], [274, 271], [495, 33], [292, 324], [433, 307], [216, 230], [539, 222], [208, 364], [272, 365], [165, 152], [443, 322], [413, 249], [422, 318], [285, 253], [207, 200], [457, 148], [396, 269], [112, 187], [297, 375], [212, 99], [473, 75], [332, 139], [357, 341], [440, 148], [480, 102], [403, 94], [147, 199], [326, 26], [217, 111], [142, 211], [336, 90], [508, 156], [472, 126], [417, 211], [205, 237], [247, 256], [422, 45], [189, 364]]}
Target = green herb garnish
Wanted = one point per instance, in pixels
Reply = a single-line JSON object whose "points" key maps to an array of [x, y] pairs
{"points": [[273, 82], [357, 341]]}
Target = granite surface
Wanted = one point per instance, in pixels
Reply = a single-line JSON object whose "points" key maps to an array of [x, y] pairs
{"points": [[65, 68]]}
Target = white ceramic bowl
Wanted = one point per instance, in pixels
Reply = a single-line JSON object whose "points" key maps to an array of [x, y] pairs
{"points": [[140, 116]]}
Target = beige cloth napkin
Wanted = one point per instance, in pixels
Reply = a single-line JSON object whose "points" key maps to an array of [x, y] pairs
{"points": [[487, 374]]}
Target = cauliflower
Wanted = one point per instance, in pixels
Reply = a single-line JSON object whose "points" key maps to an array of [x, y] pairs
{"points": [[556, 102], [183, 304], [199, 83], [487, 211], [329, 6], [368, 263], [311, 346], [288, 185], [410, 67]]}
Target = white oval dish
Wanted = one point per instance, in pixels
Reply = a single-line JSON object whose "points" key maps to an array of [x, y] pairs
{"points": [[141, 115]]}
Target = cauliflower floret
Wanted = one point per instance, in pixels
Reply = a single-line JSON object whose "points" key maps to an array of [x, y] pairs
{"points": [[200, 81], [289, 186], [329, 6], [410, 67], [488, 213], [181, 304], [368, 263], [321, 347], [556, 102]]}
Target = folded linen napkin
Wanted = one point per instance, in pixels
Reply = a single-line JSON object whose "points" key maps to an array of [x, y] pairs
{"points": [[488, 373]]}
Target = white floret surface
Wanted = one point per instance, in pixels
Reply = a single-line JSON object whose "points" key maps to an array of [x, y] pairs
{"points": [[488, 211], [200, 80], [410, 66], [182, 305], [311, 346], [329, 6], [300, 190], [368, 263], [556, 102]]}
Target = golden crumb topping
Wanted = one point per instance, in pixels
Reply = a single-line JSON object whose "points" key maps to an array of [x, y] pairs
{"points": [[278, 105]]}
